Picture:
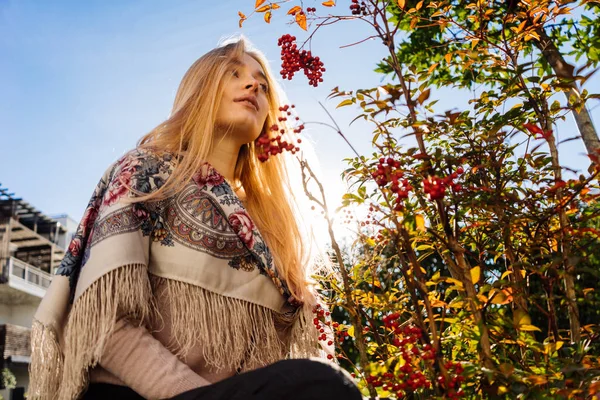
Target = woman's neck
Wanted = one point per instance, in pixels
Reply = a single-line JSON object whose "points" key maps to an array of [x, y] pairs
{"points": [[224, 158]]}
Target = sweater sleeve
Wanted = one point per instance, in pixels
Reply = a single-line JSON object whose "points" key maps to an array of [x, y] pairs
{"points": [[141, 362]]}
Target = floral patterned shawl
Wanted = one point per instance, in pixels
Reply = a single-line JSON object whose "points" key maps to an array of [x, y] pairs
{"points": [[201, 243]]}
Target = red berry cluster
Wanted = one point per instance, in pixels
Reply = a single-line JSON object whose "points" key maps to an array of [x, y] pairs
{"points": [[408, 377], [311, 10], [452, 383], [388, 171], [435, 187], [271, 146], [293, 60], [358, 9], [321, 320]]}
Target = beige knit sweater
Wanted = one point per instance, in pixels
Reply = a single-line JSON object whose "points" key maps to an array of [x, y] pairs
{"points": [[136, 358]]}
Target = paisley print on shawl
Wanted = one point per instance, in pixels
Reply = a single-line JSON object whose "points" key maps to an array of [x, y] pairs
{"points": [[123, 220], [196, 221]]}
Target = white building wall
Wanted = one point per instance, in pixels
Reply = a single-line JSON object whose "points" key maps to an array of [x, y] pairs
{"points": [[21, 315]]}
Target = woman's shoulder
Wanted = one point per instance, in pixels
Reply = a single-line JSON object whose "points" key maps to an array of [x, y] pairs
{"points": [[144, 170]]}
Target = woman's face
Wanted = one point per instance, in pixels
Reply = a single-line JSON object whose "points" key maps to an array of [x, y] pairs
{"points": [[244, 105]]}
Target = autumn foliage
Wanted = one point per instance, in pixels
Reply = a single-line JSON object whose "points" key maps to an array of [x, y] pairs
{"points": [[474, 273]]}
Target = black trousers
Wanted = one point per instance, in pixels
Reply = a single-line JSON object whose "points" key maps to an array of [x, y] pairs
{"points": [[288, 379]]}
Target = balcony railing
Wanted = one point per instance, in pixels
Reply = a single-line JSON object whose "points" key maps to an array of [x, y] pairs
{"points": [[28, 278]]}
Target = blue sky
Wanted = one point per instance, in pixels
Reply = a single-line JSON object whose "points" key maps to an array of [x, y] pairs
{"points": [[81, 81]]}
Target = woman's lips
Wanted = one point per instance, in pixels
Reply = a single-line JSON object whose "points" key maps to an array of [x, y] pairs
{"points": [[249, 99], [247, 103]]}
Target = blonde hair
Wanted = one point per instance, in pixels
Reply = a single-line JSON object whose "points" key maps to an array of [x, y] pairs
{"points": [[190, 129]]}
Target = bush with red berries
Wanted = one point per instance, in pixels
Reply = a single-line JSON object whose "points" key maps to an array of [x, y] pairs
{"points": [[472, 267]]}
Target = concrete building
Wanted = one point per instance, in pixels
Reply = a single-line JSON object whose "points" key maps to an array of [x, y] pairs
{"points": [[32, 246]]}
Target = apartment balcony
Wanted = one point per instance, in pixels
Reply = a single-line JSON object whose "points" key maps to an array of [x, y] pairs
{"points": [[27, 278], [25, 283]]}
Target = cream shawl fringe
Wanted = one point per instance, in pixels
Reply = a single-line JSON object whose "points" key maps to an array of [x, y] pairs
{"points": [[125, 291], [240, 335]]}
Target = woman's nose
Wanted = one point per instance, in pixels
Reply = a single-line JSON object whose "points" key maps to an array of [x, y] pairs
{"points": [[253, 84]]}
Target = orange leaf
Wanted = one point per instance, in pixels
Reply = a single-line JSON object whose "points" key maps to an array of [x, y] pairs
{"points": [[268, 17], [258, 3], [242, 18], [294, 10], [263, 8], [401, 4], [329, 3], [424, 96], [275, 6], [301, 20]]}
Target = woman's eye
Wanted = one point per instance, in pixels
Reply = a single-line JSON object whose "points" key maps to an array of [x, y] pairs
{"points": [[264, 87], [235, 73]]}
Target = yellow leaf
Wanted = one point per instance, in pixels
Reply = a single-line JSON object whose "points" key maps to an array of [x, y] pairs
{"points": [[419, 5], [351, 331], [329, 3], [346, 102], [438, 303], [448, 57], [475, 274], [401, 4], [521, 318], [505, 274], [301, 20], [258, 3], [263, 8], [457, 304], [550, 348], [294, 10], [529, 328], [268, 17], [503, 296], [420, 223], [455, 281]]}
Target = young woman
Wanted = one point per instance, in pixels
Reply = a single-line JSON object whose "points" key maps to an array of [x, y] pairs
{"points": [[186, 277]]}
